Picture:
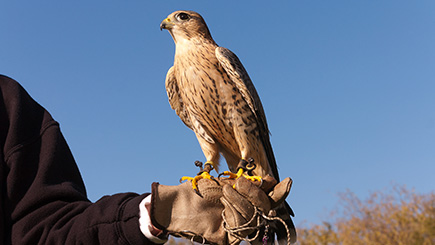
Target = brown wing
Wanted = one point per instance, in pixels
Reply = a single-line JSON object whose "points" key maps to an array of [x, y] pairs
{"points": [[235, 70], [174, 97]]}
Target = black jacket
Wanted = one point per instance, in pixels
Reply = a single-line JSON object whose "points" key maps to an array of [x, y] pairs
{"points": [[43, 198]]}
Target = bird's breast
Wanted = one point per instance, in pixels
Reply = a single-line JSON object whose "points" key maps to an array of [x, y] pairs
{"points": [[205, 87], [202, 86]]}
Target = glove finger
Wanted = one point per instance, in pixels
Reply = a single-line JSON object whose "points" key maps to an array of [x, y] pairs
{"points": [[254, 194], [280, 192], [237, 202], [268, 183], [210, 190], [232, 216], [234, 220]]}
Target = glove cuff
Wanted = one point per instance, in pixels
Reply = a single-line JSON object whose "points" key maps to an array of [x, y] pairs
{"points": [[154, 193], [146, 226]]}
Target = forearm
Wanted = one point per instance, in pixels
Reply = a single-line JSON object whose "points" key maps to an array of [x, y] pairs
{"points": [[42, 193], [110, 220]]}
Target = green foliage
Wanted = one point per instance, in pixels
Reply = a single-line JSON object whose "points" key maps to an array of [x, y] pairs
{"points": [[399, 217]]}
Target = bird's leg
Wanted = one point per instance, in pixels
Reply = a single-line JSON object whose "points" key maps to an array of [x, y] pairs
{"points": [[208, 167], [244, 168], [211, 153], [204, 173]]}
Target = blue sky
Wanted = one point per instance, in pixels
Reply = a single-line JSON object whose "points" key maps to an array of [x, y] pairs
{"points": [[348, 88]]}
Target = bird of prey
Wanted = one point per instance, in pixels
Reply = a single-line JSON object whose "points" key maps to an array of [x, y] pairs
{"points": [[211, 92]]}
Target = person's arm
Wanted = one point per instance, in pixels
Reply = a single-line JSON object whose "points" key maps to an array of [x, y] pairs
{"points": [[43, 198]]}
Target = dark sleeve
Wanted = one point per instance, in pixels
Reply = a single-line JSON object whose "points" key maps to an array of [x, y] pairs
{"points": [[43, 199]]}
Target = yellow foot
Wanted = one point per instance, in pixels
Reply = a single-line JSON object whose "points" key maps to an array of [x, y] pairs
{"points": [[241, 173], [203, 175], [253, 178]]}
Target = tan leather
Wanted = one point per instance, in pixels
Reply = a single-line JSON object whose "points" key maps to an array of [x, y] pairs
{"points": [[181, 211]]}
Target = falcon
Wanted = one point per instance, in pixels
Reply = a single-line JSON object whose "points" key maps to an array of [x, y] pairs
{"points": [[211, 92], [213, 95]]}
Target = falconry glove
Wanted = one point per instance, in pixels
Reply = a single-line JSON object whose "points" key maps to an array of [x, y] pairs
{"points": [[180, 211], [247, 207], [219, 206]]}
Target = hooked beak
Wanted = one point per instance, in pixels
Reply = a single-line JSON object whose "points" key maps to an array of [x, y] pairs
{"points": [[166, 24]]}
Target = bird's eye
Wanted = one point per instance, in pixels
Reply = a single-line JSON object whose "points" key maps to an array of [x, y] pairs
{"points": [[182, 16]]}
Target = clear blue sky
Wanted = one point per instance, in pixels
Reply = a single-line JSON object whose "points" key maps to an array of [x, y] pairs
{"points": [[348, 89]]}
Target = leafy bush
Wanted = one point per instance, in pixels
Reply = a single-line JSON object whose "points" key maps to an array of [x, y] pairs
{"points": [[400, 216]]}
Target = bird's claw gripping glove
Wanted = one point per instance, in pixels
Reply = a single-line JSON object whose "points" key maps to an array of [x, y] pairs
{"points": [[247, 206], [180, 211]]}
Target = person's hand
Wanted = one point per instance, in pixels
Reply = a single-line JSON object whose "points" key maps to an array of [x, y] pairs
{"points": [[247, 206], [180, 211]]}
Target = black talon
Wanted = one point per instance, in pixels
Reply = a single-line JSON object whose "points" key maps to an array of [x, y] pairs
{"points": [[261, 183]]}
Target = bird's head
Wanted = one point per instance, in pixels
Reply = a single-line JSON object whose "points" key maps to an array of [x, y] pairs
{"points": [[186, 25]]}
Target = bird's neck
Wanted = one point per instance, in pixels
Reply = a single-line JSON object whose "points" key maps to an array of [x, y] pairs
{"points": [[185, 47]]}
